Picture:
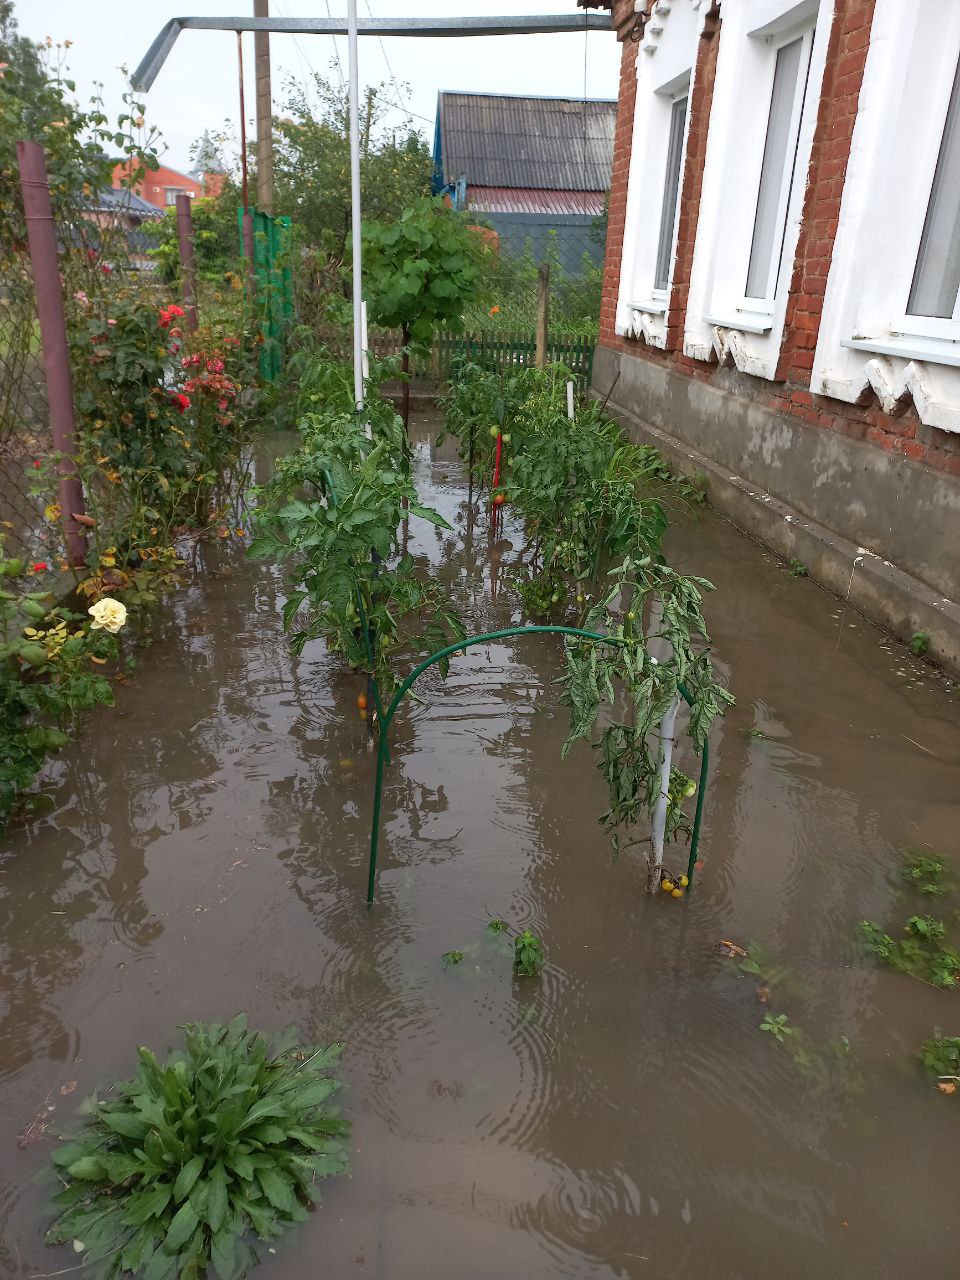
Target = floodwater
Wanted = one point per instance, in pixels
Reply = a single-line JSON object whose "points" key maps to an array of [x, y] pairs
{"points": [[623, 1116]]}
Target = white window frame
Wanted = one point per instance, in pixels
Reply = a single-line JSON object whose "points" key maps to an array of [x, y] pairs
{"points": [[661, 293], [863, 345], [721, 320], [937, 327], [665, 74], [749, 304]]}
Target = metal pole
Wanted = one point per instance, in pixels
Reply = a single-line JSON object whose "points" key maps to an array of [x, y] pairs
{"points": [[543, 306], [261, 57], [356, 215], [247, 217], [387, 719], [188, 270], [42, 241]]}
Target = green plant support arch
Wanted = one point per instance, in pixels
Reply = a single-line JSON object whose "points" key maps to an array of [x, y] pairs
{"points": [[386, 719]]}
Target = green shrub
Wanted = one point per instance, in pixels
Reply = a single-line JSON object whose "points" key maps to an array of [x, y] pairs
{"points": [[170, 1175]]}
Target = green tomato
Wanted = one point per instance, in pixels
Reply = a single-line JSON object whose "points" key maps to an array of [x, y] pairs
{"points": [[33, 610], [494, 432], [506, 437]]}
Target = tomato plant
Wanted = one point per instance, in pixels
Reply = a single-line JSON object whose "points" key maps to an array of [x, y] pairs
{"points": [[334, 509]]}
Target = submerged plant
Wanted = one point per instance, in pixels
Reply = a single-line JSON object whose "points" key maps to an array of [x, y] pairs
{"points": [[797, 568], [778, 1025], [452, 957], [919, 643], [927, 873], [528, 957], [170, 1176], [924, 953], [941, 1055]]}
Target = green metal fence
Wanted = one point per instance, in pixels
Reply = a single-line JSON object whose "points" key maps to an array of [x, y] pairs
{"points": [[272, 246]]}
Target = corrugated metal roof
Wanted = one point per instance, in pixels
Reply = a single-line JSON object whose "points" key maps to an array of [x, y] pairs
{"points": [[551, 144], [518, 200]]}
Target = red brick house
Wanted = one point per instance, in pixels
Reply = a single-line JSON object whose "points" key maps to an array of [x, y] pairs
{"points": [[781, 305], [162, 186]]}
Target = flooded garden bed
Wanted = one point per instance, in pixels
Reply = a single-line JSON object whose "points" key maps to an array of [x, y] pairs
{"points": [[625, 1114]]}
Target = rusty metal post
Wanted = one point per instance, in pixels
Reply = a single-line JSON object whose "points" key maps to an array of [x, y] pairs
{"points": [[543, 309], [188, 268], [42, 241]]}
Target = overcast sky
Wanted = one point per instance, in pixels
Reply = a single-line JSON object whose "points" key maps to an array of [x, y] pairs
{"points": [[197, 88]]}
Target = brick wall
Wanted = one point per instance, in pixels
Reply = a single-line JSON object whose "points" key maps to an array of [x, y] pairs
{"points": [[846, 57]]}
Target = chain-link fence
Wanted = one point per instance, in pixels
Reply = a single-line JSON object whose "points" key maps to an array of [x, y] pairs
{"points": [[23, 404]]}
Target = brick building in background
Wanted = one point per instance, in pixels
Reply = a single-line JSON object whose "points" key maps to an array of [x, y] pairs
{"points": [[160, 187], [781, 302]]}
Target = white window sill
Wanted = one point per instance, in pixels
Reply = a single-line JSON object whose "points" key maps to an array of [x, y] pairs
{"points": [[654, 307], [756, 323], [935, 350]]}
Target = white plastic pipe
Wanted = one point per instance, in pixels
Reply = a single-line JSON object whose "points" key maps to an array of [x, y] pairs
{"points": [[570, 401], [365, 344], [356, 216]]}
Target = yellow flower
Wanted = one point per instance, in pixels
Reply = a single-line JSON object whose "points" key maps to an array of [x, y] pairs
{"points": [[108, 615]]}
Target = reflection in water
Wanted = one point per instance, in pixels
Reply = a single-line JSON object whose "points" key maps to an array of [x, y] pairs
{"points": [[622, 1116]]}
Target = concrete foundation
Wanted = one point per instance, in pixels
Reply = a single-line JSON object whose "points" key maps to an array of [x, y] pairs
{"points": [[876, 528]]}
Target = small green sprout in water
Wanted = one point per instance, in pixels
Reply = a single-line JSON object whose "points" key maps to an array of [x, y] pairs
{"points": [[527, 955], [177, 1166], [919, 643], [778, 1025], [797, 568], [451, 957], [927, 873], [497, 926]]}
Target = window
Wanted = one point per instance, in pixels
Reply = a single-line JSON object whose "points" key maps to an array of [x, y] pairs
{"points": [[777, 168], [172, 193], [671, 192], [936, 277]]}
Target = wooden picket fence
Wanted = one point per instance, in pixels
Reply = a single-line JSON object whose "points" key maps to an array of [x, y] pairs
{"points": [[492, 350]]}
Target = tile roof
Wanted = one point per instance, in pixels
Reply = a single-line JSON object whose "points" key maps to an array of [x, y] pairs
{"points": [[551, 144]]}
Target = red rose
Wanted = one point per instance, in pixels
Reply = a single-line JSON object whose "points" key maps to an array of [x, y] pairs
{"points": [[41, 566], [37, 463], [180, 400]]}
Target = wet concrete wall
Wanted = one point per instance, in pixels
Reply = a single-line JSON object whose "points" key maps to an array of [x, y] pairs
{"points": [[869, 524]]}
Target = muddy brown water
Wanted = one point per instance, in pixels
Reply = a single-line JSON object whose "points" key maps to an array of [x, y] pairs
{"points": [[622, 1116]]}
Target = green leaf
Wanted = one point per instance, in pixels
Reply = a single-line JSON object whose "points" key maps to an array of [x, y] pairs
{"points": [[182, 1227], [217, 1199], [147, 1204], [277, 1188], [187, 1177], [87, 1169]]}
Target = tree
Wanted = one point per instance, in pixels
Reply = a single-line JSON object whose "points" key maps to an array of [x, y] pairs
{"points": [[312, 163], [216, 238], [421, 269]]}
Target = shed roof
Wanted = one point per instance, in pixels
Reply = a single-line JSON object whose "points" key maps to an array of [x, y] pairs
{"points": [[550, 144], [122, 200]]}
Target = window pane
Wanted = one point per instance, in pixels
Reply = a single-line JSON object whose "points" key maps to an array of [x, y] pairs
{"points": [[936, 279], [775, 171], [671, 191]]}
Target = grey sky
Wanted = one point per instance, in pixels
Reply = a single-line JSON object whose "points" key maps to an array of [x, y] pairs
{"points": [[197, 88]]}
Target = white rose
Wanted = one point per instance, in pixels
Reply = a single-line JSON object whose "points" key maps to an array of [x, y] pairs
{"points": [[108, 615]]}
